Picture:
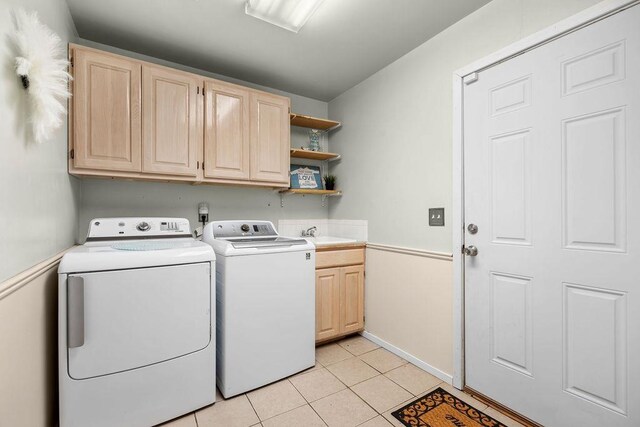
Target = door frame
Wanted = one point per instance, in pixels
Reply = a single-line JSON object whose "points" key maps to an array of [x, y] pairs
{"points": [[582, 19]]}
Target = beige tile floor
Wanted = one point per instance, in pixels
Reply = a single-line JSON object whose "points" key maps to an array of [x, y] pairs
{"points": [[354, 383]]}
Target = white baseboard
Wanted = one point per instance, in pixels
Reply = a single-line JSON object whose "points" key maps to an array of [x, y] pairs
{"points": [[408, 357]]}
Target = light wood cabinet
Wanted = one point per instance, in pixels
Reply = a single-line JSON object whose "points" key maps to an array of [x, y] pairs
{"points": [[327, 303], [270, 138], [339, 293], [136, 120], [106, 122], [352, 299], [226, 137], [170, 121]]}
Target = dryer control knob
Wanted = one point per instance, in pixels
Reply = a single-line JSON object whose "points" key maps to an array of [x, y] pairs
{"points": [[245, 227], [143, 226]]}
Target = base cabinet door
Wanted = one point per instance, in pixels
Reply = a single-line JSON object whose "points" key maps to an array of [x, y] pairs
{"points": [[270, 138], [226, 135], [351, 299], [327, 303], [171, 126], [106, 112]]}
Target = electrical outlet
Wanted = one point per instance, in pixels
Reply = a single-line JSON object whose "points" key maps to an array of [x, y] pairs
{"points": [[436, 217], [203, 212]]}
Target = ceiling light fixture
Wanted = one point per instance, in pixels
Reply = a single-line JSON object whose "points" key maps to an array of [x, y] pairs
{"points": [[288, 14]]}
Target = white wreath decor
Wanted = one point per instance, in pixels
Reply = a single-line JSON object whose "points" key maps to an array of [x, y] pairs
{"points": [[42, 67]]}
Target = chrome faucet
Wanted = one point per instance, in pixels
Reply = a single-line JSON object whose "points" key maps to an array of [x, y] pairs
{"points": [[309, 232]]}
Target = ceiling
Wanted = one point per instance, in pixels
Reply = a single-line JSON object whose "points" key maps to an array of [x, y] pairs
{"points": [[343, 43]]}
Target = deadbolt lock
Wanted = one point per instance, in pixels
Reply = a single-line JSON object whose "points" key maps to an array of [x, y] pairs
{"points": [[472, 228]]}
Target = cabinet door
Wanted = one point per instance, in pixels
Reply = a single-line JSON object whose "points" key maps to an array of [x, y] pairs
{"points": [[226, 138], [270, 137], [106, 112], [170, 121], [351, 299], [327, 303]]}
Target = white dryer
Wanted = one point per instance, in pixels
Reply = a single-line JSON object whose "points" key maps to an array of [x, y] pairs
{"points": [[265, 286], [136, 323]]}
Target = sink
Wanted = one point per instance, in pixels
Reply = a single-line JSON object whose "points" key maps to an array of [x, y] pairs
{"points": [[329, 240]]}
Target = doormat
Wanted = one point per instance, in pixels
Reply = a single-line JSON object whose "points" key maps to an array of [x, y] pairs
{"points": [[441, 409]]}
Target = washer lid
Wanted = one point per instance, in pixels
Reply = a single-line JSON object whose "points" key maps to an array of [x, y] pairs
{"points": [[119, 255], [269, 242]]}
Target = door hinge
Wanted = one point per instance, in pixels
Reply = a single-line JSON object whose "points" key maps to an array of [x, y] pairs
{"points": [[470, 78], [72, 153], [202, 165], [71, 61]]}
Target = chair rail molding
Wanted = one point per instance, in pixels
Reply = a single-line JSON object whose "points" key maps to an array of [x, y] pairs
{"points": [[16, 282]]}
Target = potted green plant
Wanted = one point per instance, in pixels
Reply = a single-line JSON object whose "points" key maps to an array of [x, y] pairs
{"points": [[329, 182]]}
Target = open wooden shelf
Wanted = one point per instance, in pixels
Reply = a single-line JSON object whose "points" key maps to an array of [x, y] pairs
{"points": [[310, 191], [313, 155], [313, 122]]}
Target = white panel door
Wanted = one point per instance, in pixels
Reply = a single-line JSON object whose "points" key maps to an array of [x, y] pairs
{"points": [[552, 181], [134, 318]]}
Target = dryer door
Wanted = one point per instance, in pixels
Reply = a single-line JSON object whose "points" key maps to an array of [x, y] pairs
{"points": [[127, 319]]}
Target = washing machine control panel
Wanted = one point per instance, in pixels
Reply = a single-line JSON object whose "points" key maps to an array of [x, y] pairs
{"points": [[230, 229], [122, 228]]}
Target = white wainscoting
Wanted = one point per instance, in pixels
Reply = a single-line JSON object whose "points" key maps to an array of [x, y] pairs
{"points": [[28, 347], [409, 305]]}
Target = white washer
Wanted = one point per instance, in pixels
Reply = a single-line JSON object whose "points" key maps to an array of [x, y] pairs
{"points": [[136, 315], [265, 292]]}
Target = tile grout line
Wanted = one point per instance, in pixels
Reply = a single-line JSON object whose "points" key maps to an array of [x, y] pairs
{"points": [[331, 394], [408, 391], [357, 355], [353, 391], [254, 409], [298, 407], [309, 403]]}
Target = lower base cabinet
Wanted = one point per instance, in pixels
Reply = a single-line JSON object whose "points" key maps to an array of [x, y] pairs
{"points": [[339, 294]]}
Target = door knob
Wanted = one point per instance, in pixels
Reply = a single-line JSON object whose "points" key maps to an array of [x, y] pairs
{"points": [[470, 250]]}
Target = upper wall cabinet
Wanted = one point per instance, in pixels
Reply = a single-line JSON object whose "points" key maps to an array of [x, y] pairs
{"points": [[106, 112], [226, 134], [270, 138], [133, 119], [170, 117]]}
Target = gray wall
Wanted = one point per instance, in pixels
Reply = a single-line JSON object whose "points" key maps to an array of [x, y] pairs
{"points": [[103, 198], [38, 199], [396, 137]]}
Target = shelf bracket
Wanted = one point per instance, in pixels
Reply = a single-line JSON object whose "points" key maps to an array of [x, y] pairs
{"points": [[324, 200], [282, 200]]}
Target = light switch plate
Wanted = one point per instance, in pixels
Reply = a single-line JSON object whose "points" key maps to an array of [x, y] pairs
{"points": [[436, 217]]}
